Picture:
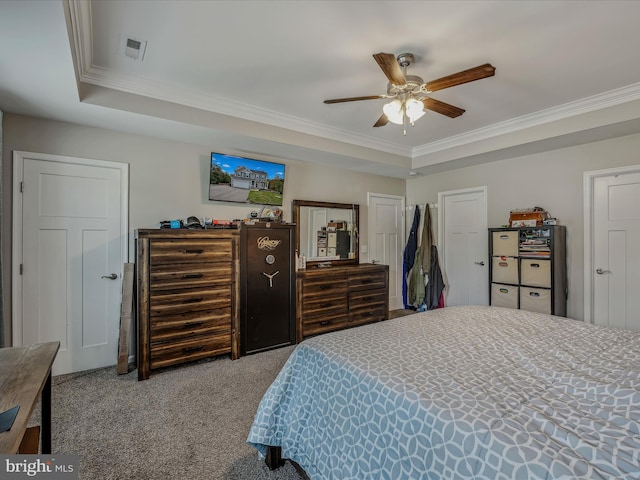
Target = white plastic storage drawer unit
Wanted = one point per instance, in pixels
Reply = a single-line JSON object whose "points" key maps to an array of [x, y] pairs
{"points": [[504, 295], [535, 299], [504, 270]]}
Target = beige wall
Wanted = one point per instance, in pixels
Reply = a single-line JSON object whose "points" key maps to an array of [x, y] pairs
{"points": [[167, 179], [552, 180]]}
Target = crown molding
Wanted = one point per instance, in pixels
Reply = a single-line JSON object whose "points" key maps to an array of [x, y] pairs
{"points": [[560, 112], [81, 24], [81, 36], [80, 11]]}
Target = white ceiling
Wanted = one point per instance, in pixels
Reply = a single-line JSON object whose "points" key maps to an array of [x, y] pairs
{"points": [[250, 77]]}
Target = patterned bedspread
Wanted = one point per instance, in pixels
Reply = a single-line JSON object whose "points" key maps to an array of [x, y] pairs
{"points": [[459, 393]]}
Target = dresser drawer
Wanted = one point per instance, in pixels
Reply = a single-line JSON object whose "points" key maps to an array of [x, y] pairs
{"points": [[504, 295], [505, 243], [504, 270], [323, 323], [211, 322], [367, 298], [362, 281], [535, 272], [170, 276], [164, 251], [189, 300], [171, 353], [323, 287], [535, 299], [363, 315], [330, 305]]}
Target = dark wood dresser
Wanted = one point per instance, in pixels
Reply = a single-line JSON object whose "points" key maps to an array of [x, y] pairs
{"points": [[340, 297], [187, 296]]}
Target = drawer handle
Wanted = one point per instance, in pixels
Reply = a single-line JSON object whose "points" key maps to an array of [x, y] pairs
{"points": [[504, 237], [197, 250], [535, 265], [325, 305], [192, 349], [192, 275], [534, 294], [192, 324], [324, 323], [367, 314], [367, 298], [504, 290], [325, 287], [503, 264], [193, 300]]}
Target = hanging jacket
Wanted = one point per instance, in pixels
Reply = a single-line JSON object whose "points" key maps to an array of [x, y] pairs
{"points": [[416, 285], [435, 285], [427, 240], [409, 255]]}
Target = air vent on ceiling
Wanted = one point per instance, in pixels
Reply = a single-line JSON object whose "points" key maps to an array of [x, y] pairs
{"points": [[132, 47]]}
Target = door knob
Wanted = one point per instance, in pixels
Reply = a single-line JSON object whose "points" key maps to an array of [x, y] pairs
{"points": [[479, 263], [600, 271], [113, 276]]}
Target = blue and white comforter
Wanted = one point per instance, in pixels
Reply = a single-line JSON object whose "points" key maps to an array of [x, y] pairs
{"points": [[459, 393]]}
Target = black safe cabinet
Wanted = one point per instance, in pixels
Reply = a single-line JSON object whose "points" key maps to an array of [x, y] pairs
{"points": [[267, 287]]}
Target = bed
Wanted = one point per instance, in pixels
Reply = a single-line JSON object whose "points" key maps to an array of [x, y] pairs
{"points": [[458, 393]]}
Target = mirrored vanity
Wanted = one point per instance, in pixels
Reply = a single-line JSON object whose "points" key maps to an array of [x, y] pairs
{"points": [[327, 232], [335, 291]]}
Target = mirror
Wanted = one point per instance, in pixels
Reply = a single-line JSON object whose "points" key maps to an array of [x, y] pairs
{"points": [[326, 232]]}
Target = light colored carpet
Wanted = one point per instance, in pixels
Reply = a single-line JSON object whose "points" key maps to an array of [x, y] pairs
{"points": [[188, 422]]}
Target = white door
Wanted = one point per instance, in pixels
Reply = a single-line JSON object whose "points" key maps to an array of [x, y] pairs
{"points": [[386, 239], [70, 244], [616, 251], [463, 244]]}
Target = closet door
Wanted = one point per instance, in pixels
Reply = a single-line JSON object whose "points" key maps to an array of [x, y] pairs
{"points": [[267, 292]]}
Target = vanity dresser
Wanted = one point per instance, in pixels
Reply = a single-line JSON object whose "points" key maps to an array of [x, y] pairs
{"points": [[335, 291]]}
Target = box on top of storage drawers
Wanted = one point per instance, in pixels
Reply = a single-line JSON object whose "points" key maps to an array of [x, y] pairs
{"points": [[528, 217]]}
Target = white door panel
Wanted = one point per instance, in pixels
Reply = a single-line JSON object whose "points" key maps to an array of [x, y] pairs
{"points": [[616, 251], [73, 222], [386, 240], [462, 244]]}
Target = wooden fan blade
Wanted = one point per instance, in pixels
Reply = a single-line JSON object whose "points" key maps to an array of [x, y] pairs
{"points": [[390, 67], [441, 107], [483, 71], [354, 99], [382, 121]]}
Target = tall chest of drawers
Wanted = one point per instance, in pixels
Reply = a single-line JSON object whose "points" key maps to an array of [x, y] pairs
{"points": [[187, 296], [340, 297]]}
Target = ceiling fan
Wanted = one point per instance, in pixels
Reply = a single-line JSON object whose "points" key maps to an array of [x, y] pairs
{"points": [[411, 93]]}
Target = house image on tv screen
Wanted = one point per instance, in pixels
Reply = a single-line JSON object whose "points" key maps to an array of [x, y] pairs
{"points": [[244, 177], [245, 180]]}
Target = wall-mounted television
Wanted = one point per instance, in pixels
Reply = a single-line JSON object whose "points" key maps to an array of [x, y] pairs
{"points": [[245, 180]]}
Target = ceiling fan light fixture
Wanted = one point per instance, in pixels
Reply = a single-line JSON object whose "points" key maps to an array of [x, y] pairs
{"points": [[394, 111], [414, 109]]}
